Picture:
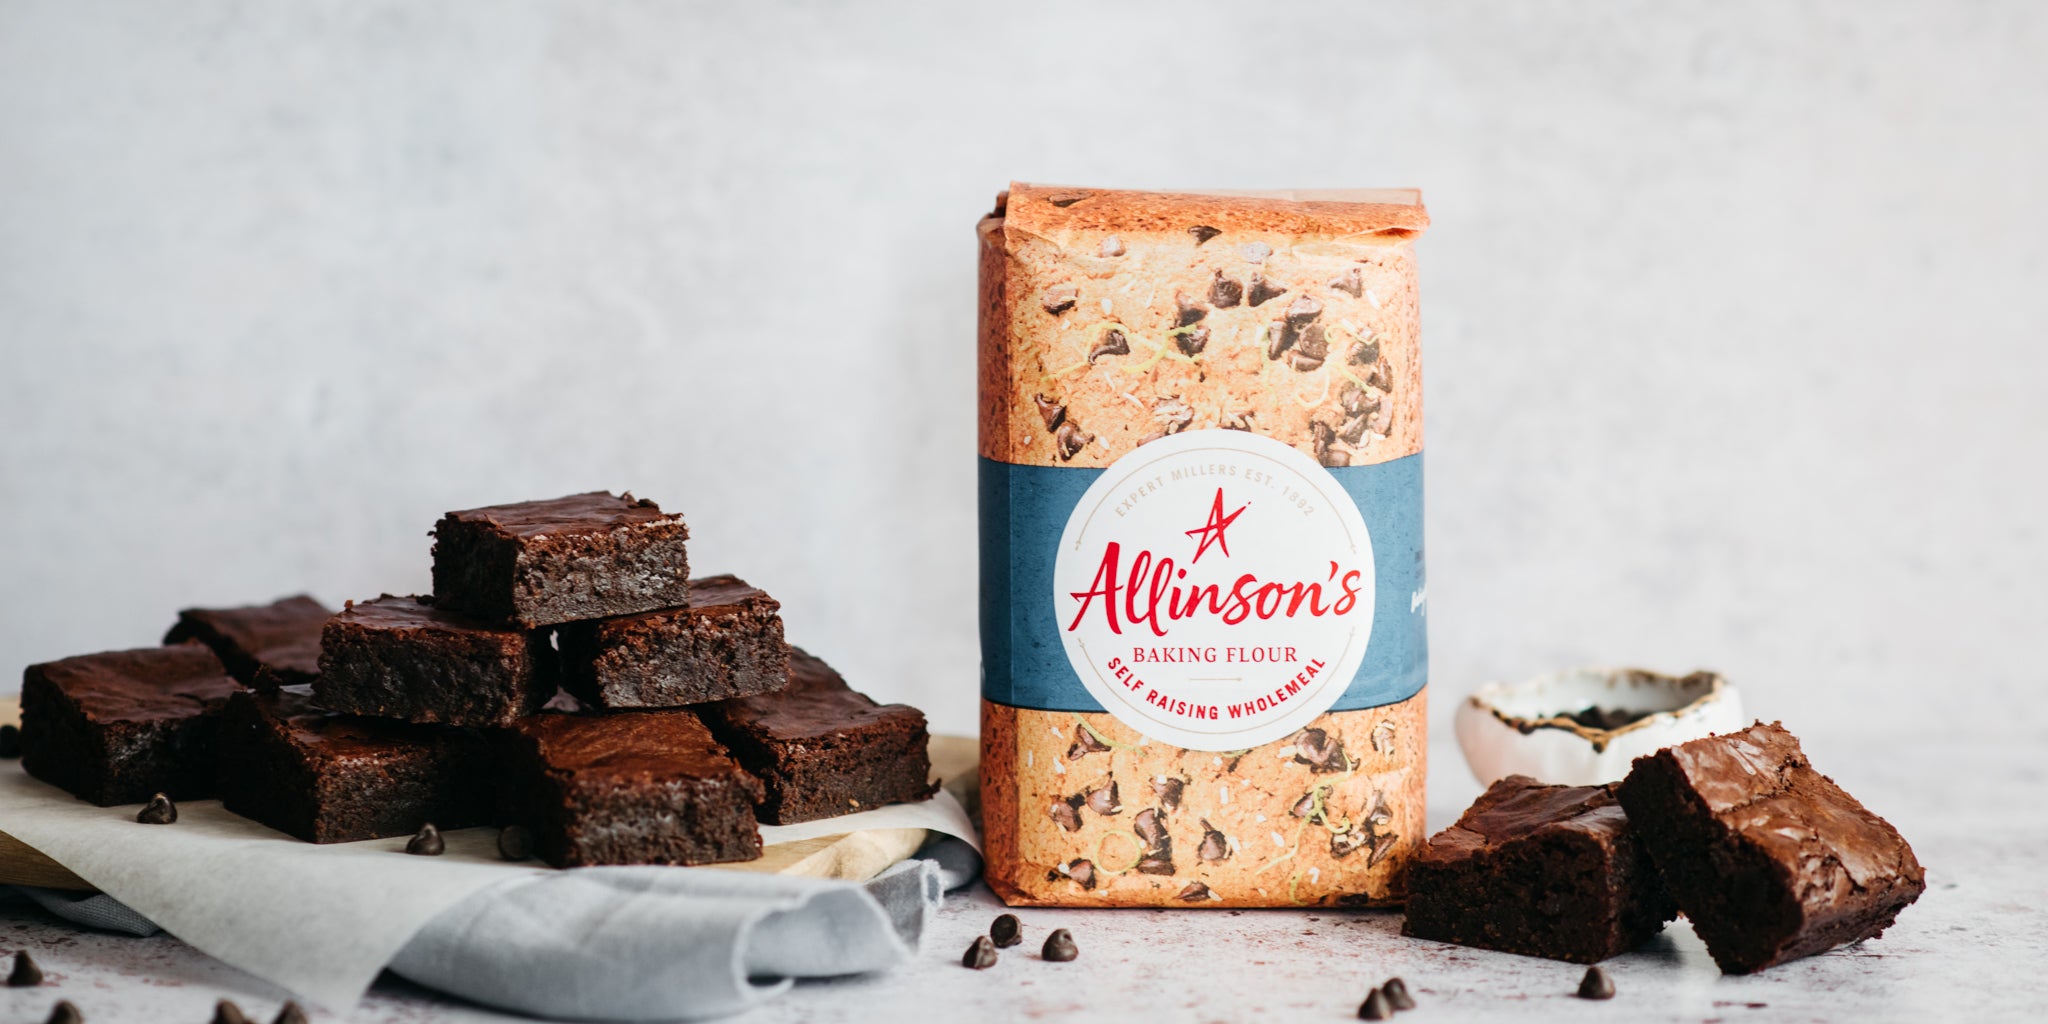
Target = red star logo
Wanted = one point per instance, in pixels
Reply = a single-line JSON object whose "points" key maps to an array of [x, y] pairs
{"points": [[1211, 532]]}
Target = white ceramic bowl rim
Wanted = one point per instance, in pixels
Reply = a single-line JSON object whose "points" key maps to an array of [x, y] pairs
{"points": [[1549, 701]]}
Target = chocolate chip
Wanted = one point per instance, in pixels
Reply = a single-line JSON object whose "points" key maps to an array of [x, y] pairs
{"points": [[1224, 292], [1255, 252], [1596, 985], [1239, 420], [10, 741], [1053, 413], [1187, 312], [1082, 872], [1067, 199], [1149, 828], [1006, 931], [1382, 844], [1156, 862], [980, 955], [1344, 844], [1322, 441], [1168, 789], [1395, 989], [1113, 343], [1085, 742], [1262, 292], [1112, 246], [1381, 377], [1059, 298], [1353, 430], [1059, 946], [1375, 1007], [1070, 439], [1303, 310], [427, 843], [1350, 281], [1280, 337], [1192, 342], [1203, 233], [1380, 816], [1382, 420], [159, 811], [26, 973], [515, 842], [1310, 350], [289, 1013], [225, 1012], [1356, 401], [1195, 892], [1066, 813], [1364, 352], [65, 1013], [1104, 802], [1215, 845]]}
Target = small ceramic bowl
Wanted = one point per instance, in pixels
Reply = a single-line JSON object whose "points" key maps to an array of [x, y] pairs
{"points": [[1583, 726]]}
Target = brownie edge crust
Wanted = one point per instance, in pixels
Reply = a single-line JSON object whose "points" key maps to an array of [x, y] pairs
{"points": [[1768, 858]]}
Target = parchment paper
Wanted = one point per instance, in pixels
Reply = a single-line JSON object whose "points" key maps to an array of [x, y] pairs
{"points": [[319, 921]]}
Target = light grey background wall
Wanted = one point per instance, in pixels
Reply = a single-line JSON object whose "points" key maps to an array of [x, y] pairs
{"points": [[1733, 312]]}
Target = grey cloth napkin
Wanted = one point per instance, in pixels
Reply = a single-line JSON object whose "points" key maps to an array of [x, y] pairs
{"points": [[640, 944]]}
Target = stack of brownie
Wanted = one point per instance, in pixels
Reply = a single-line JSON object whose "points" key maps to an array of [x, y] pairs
{"points": [[687, 718]]}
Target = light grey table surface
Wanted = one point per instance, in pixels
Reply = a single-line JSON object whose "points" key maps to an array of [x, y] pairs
{"points": [[1974, 947]]}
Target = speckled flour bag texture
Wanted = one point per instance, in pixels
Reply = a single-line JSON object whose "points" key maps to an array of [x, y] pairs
{"points": [[1203, 643]]}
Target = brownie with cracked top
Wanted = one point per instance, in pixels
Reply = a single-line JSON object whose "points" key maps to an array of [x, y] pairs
{"points": [[333, 778], [1549, 871], [541, 563], [822, 748], [1769, 859], [628, 787], [727, 643], [282, 637], [117, 727], [405, 657]]}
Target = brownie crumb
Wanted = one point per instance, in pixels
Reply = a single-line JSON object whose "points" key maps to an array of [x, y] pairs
{"points": [[10, 741], [159, 811]]}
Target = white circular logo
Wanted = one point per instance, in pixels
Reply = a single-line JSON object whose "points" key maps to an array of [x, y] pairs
{"points": [[1215, 589]]}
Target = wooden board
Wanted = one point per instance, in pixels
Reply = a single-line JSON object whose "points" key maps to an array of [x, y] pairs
{"points": [[853, 855]]}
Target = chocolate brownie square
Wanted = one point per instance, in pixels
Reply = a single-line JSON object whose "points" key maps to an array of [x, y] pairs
{"points": [[118, 727], [329, 778], [822, 748], [628, 787], [1768, 858], [1550, 871], [727, 643], [282, 637], [404, 657], [540, 563]]}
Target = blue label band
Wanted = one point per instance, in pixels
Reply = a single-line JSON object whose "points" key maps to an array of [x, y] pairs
{"points": [[1025, 508]]}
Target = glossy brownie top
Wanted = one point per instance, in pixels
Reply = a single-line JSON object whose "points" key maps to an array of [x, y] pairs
{"points": [[284, 633], [325, 733], [405, 613], [1519, 806], [817, 702], [150, 684], [628, 745], [594, 512]]}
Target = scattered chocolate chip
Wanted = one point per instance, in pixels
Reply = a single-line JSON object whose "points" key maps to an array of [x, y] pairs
{"points": [[515, 842], [1192, 342], [159, 811], [427, 843], [1066, 813], [1344, 844], [1187, 312], [1149, 828], [290, 1013], [1085, 742], [1195, 892], [1082, 872], [1375, 1007], [1353, 430], [1156, 862], [1113, 343], [1350, 281], [65, 1013], [1323, 439], [1364, 352], [10, 741], [1255, 252], [1070, 439], [1112, 246], [1309, 350], [1382, 844], [1006, 931], [1224, 292], [226, 1012], [1104, 802], [980, 955], [1381, 377], [1357, 401], [1320, 751], [1395, 989], [1066, 199], [1215, 845], [1168, 789], [1261, 292], [1203, 233], [1303, 310], [1596, 985], [1059, 298], [26, 973], [1059, 946], [1053, 413]]}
